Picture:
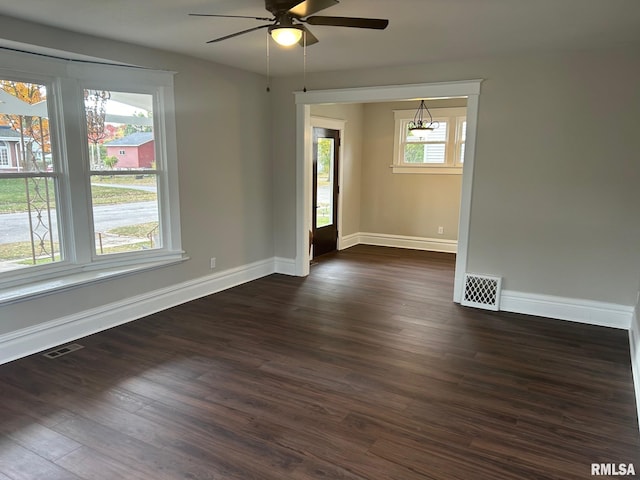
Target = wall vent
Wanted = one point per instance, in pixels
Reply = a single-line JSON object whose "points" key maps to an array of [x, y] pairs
{"points": [[482, 291], [58, 352]]}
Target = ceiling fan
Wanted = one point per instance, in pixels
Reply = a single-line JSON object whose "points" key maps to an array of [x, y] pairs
{"points": [[289, 16]]}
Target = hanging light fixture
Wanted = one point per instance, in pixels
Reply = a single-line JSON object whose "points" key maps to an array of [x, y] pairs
{"points": [[419, 126], [285, 33]]}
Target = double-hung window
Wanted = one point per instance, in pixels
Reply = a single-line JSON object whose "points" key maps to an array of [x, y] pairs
{"points": [[72, 207], [440, 150]]}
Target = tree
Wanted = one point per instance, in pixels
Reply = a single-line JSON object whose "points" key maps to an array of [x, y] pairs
{"points": [[324, 157], [414, 153], [34, 129], [95, 111], [110, 162]]}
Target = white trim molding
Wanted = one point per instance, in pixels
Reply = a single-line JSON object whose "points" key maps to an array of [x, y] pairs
{"points": [[573, 309], [41, 337], [634, 349], [398, 241], [348, 241], [285, 266]]}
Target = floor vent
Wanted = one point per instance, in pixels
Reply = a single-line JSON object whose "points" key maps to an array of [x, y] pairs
{"points": [[482, 291], [58, 352]]}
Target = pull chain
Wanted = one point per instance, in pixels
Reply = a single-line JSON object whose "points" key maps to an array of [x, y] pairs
{"points": [[304, 65], [268, 66]]}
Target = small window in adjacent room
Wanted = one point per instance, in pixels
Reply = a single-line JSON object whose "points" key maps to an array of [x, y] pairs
{"points": [[440, 150]]}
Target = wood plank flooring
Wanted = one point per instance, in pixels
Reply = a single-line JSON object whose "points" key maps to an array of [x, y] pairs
{"points": [[363, 370]]}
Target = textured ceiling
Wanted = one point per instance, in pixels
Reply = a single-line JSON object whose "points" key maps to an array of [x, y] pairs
{"points": [[420, 31]]}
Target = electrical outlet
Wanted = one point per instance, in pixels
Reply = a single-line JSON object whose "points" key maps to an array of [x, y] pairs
{"points": [[213, 262], [440, 230]]}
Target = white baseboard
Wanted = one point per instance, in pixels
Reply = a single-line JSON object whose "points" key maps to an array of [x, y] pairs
{"points": [[348, 241], [576, 310], [399, 241], [286, 266], [41, 337]]}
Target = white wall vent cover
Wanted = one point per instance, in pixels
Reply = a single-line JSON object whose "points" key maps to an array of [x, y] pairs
{"points": [[482, 291]]}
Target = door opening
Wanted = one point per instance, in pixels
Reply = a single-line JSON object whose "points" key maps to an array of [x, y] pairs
{"points": [[326, 143], [304, 100]]}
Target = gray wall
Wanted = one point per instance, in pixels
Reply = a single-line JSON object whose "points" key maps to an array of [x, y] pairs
{"points": [[555, 200], [225, 180]]}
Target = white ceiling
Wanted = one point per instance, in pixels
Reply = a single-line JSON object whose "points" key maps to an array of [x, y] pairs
{"points": [[420, 31]]}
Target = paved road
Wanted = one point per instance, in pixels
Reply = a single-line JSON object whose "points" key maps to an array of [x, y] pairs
{"points": [[14, 227]]}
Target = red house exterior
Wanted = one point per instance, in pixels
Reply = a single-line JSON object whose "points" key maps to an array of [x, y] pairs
{"points": [[133, 151]]}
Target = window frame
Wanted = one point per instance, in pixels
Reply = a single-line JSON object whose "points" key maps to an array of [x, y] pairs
{"points": [[65, 81], [453, 116]]}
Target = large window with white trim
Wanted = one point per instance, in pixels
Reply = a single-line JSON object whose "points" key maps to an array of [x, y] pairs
{"points": [[436, 151], [72, 203]]}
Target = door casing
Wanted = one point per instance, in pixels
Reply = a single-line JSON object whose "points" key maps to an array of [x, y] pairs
{"points": [[464, 88]]}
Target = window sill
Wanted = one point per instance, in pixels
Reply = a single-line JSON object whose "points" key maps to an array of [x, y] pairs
{"points": [[40, 288], [427, 170]]}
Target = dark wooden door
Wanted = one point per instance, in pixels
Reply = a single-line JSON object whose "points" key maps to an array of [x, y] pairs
{"points": [[326, 143]]}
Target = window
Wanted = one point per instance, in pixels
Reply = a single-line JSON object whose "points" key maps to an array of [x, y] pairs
{"points": [[441, 150], [116, 119], [28, 214], [4, 154], [71, 206]]}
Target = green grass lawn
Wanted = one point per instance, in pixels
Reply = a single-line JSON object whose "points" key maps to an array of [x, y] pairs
{"points": [[146, 180], [13, 193], [22, 250]]}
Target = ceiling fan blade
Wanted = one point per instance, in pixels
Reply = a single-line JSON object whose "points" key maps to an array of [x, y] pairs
{"points": [[238, 33], [311, 38], [309, 7], [230, 16], [374, 23]]}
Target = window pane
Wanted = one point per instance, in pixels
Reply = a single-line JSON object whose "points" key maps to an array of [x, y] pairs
{"points": [[25, 143], [462, 137], [28, 224], [324, 193], [120, 130], [125, 213], [432, 153], [121, 139], [28, 219]]}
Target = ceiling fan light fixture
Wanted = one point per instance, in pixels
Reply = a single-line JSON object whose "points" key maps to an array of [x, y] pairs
{"points": [[286, 36]]}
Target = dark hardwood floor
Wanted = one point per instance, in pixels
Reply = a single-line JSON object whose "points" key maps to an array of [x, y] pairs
{"points": [[363, 370]]}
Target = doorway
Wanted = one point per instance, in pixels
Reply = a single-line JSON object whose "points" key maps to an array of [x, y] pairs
{"points": [[465, 88], [326, 148]]}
